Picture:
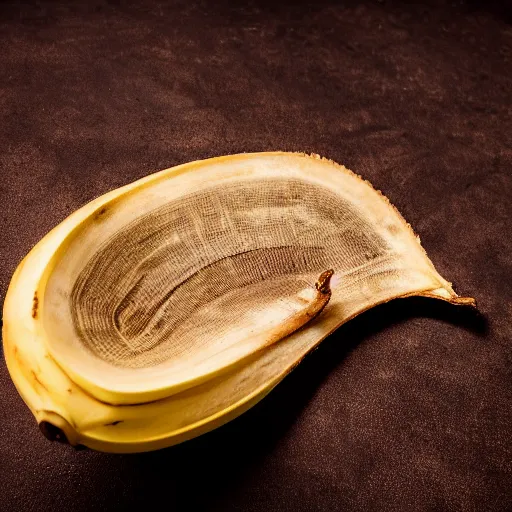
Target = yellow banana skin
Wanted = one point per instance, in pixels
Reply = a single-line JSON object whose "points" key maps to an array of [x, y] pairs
{"points": [[68, 408]]}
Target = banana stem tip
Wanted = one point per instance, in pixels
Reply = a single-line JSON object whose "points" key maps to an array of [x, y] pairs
{"points": [[323, 284]]}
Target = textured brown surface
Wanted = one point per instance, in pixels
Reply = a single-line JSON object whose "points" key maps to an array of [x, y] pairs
{"points": [[173, 284], [406, 408]]}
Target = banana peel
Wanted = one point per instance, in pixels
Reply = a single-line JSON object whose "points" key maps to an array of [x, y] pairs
{"points": [[236, 340]]}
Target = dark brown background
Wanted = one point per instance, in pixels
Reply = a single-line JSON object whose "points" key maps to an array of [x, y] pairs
{"points": [[406, 408]]}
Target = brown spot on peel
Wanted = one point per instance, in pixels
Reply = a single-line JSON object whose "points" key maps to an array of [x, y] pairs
{"points": [[36, 378], [100, 213], [35, 305], [113, 423]]}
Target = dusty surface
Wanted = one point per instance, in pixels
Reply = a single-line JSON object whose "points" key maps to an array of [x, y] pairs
{"points": [[406, 408]]}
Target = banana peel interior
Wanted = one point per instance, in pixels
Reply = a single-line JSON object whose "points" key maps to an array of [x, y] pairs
{"points": [[104, 358]]}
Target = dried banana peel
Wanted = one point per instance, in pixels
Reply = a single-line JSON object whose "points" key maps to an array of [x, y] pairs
{"points": [[167, 307]]}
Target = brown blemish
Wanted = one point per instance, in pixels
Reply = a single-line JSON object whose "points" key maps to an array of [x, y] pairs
{"points": [[113, 424], [70, 391], [101, 212], [34, 375], [17, 356], [35, 305], [393, 229]]}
